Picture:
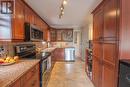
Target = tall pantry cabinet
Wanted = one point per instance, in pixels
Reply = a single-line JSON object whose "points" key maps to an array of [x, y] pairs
{"points": [[105, 44]]}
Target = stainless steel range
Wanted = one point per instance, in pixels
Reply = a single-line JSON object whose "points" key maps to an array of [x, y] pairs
{"points": [[25, 50], [28, 51]]}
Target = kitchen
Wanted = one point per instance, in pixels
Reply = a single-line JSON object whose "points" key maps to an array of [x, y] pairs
{"points": [[44, 44]]}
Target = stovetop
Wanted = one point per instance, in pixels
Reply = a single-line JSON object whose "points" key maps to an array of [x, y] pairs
{"points": [[43, 55]]}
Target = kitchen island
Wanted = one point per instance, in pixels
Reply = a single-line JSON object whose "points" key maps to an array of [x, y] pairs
{"points": [[21, 74]]}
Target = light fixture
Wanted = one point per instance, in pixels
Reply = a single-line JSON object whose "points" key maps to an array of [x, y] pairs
{"points": [[62, 12], [64, 2], [62, 8]]}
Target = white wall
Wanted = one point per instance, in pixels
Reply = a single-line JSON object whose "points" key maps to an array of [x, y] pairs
{"points": [[77, 44], [85, 39], [86, 31]]}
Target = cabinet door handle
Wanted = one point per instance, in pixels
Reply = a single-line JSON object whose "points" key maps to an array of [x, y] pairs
{"points": [[101, 38], [33, 83]]}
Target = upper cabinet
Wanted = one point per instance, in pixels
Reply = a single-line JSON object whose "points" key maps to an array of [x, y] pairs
{"points": [[12, 25], [98, 24], [52, 35], [18, 21], [34, 19], [61, 35], [110, 19]]}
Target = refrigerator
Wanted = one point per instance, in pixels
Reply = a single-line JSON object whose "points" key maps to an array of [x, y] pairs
{"points": [[70, 54]]}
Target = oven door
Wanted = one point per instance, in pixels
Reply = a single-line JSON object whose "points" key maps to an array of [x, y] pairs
{"points": [[44, 66]]}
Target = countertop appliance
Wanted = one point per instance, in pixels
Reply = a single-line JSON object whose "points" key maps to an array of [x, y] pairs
{"points": [[28, 51], [70, 54], [32, 33], [124, 73]]}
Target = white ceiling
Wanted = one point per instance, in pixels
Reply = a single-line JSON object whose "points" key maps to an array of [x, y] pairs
{"points": [[75, 11]]}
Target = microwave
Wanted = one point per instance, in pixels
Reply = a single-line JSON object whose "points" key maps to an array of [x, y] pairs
{"points": [[32, 33]]}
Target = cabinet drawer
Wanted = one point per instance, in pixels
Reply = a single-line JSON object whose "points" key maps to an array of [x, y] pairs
{"points": [[29, 75], [16, 84], [33, 82]]}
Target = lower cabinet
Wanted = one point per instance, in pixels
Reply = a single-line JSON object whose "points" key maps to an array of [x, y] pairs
{"points": [[29, 79], [53, 60], [16, 84], [96, 72], [104, 74], [33, 82], [60, 54], [108, 76]]}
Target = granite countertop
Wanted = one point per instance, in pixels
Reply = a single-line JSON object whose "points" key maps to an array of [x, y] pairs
{"points": [[49, 49], [11, 73]]}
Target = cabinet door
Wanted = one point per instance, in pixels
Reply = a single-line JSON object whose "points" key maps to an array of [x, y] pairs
{"points": [[98, 24], [125, 29], [110, 18], [97, 50], [53, 35], [27, 13], [96, 72], [45, 31], [59, 35], [32, 17], [18, 21], [108, 76], [16, 84], [97, 46], [60, 54], [110, 53]]}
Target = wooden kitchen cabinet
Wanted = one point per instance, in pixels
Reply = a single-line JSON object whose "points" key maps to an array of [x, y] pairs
{"points": [[124, 29], [105, 44], [59, 54], [53, 56], [32, 17], [108, 75], [12, 28], [110, 44], [97, 46], [29, 79], [110, 19], [16, 84], [45, 34], [18, 21], [61, 35], [52, 35], [96, 72], [46, 31], [27, 14]]}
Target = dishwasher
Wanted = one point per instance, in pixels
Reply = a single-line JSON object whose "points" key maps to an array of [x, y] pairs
{"points": [[69, 54]]}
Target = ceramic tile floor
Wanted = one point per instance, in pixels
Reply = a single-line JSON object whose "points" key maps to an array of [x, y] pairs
{"points": [[69, 74]]}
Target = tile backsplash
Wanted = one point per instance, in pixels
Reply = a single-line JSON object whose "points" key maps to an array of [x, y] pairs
{"points": [[8, 47], [61, 44]]}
